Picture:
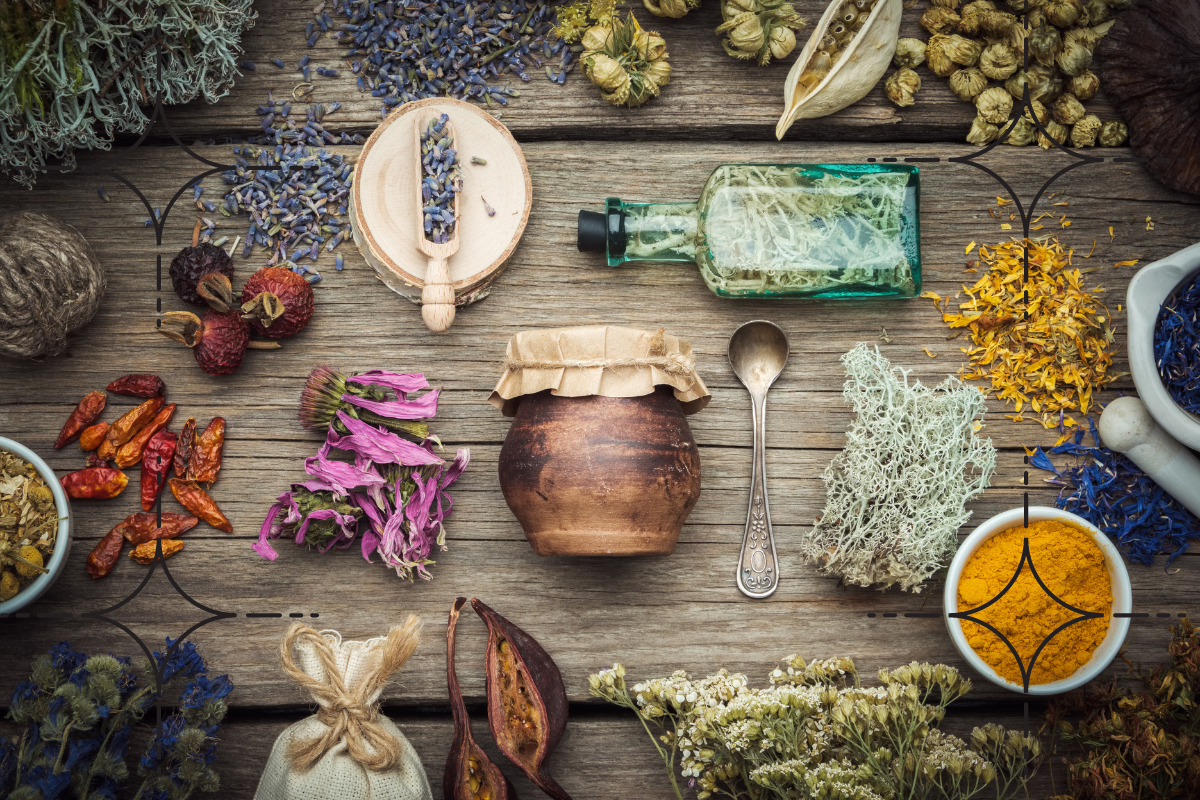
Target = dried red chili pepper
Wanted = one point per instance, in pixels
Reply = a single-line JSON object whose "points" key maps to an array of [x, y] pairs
{"points": [[139, 385], [132, 421], [94, 460], [205, 461], [156, 466], [88, 411], [106, 552], [130, 453], [106, 451], [184, 446], [94, 483], [93, 436], [143, 526], [470, 774], [527, 702], [144, 553], [196, 500]]}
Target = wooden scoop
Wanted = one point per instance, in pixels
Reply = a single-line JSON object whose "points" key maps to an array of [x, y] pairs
{"points": [[437, 295]]}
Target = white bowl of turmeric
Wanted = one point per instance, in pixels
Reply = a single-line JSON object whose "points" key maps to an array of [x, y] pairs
{"points": [[1038, 618]]}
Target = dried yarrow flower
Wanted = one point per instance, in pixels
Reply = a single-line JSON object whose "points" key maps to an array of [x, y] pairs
{"points": [[901, 86]]}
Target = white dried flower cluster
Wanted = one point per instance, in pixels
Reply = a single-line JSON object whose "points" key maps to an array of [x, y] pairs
{"points": [[897, 494], [816, 732]]}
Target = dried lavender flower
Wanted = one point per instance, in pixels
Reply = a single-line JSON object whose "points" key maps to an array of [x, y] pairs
{"points": [[1084, 85], [939, 19], [441, 180], [1085, 131], [982, 132], [994, 105], [1067, 110], [909, 53], [968, 83], [1113, 133], [901, 86], [999, 60]]}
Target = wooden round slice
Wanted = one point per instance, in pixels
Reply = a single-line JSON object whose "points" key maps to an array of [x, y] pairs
{"points": [[383, 201]]}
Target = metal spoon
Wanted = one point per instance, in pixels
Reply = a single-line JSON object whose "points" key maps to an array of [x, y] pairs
{"points": [[758, 351]]}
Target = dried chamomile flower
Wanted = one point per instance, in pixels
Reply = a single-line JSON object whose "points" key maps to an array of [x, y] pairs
{"points": [[1040, 112], [998, 61], [29, 562], [1084, 85], [967, 84], [982, 132], [1045, 83], [1097, 11], [909, 53], [1023, 132], [1085, 131], [994, 105], [9, 585], [670, 8], [939, 19], [962, 50], [1058, 134], [901, 86], [1017, 83], [1067, 110], [997, 24], [972, 13], [750, 29], [1113, 133], [1063, 13], [1074, 58], [1045, 42], [937, 56]]}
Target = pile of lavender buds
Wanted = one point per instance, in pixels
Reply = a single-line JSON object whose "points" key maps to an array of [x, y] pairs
{"points": [[301, 205], [441, 182], [414, 49]]}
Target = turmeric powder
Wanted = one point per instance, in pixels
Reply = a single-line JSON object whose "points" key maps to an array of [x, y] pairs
{"points": [[1071, 565]]}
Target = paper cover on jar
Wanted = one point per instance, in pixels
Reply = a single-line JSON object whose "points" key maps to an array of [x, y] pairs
{"points": [[605, 360]]}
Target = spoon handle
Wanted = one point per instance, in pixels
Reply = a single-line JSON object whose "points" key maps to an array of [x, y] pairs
{"points": [[758, 569]]}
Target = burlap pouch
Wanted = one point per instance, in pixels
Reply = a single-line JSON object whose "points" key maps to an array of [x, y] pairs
{"points": [[348, 749]]}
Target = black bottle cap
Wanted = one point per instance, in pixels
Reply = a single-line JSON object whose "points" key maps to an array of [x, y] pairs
{"points": [[593, 234]]}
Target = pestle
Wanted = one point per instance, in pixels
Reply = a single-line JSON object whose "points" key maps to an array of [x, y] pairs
{"points": [[1127, 427]]}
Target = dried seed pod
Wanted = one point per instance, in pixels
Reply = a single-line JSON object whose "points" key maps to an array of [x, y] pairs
{"points": [[1084, 85], [1023, 133], [998, 61], [982, 132], [750, 28], [994, 105], [937, 56], [901, 86], [1073, 59], [670, 8], [909, 53], [1045, 42], [967, 84], [1113, 133], [1085, 131], [527, 702], [939, 19], [1063, 13], [781, 41], [1067, 110], [470, 774], [1058, 134], [962, 50], [659, 72]]}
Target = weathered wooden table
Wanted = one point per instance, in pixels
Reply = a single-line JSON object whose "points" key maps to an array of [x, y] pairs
{"points": [[652, 614]]}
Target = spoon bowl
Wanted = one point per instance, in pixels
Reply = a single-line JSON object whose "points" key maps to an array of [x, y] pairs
{"points": [[758, 352]]}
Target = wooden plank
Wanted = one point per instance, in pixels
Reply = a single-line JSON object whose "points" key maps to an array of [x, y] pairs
{"points": [[711, 95]]}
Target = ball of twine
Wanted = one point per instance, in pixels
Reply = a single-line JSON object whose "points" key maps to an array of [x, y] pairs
{"points": [[50, 285]]}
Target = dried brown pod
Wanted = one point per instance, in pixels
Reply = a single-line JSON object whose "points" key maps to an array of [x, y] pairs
{"points": [[1113, 133], [1058, 134], [470, 774], [1150, 69], [939, 19], [1073, 59], [982, 132], [1067, 110], [1023, 133], [994, 105], [1063, 13], [1085, 131], [901, 86], [1084, 85], [999, 60], [967, 84], [909, 53], [527, 702]]}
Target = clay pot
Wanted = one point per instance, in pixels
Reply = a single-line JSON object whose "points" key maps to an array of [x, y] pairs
{"points": [[600, 476]]}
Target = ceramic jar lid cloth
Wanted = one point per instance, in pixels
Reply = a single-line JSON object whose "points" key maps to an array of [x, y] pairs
{"points": [[605, 360]]}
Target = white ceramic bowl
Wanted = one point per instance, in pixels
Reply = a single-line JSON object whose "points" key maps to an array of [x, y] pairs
{"points": [[62, 544], [1119, 578], [1148, 289]]}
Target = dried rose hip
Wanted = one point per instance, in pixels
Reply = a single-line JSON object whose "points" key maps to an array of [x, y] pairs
{"points": [[470, 774], [527, 702]]}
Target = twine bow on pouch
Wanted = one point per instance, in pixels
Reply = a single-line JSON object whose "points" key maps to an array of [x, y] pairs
{"points": [[347, 748]]}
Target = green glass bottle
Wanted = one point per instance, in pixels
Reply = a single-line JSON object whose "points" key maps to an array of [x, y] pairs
{"points": [[779, 230]]}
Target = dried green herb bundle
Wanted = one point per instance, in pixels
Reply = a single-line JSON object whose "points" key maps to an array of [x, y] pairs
{"points": [[816, 732], [1124, 744], [28, 524]]}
